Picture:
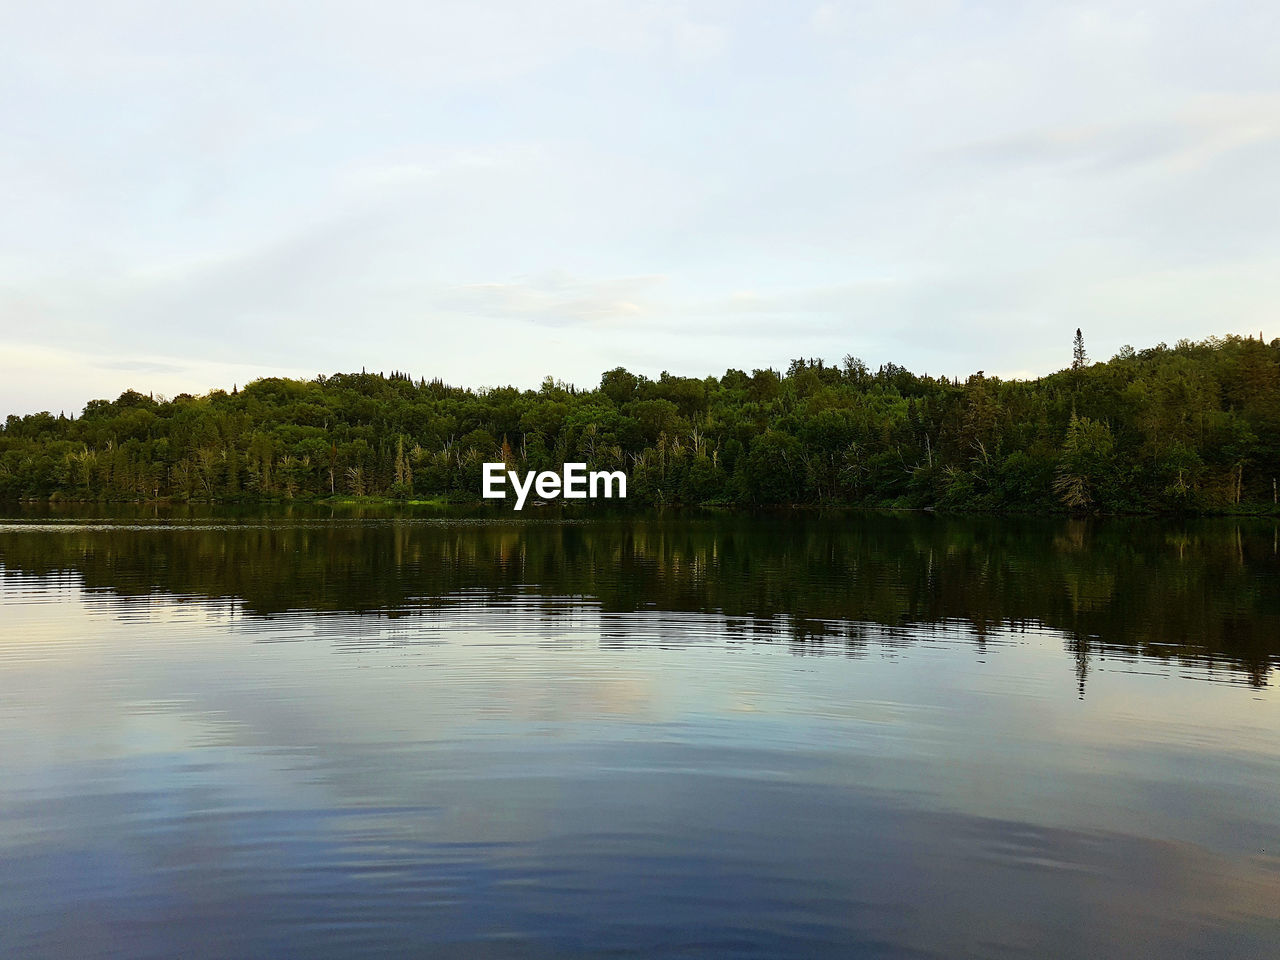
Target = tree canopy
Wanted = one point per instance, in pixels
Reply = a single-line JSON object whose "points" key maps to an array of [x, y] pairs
{"points": [[1195, 426]]}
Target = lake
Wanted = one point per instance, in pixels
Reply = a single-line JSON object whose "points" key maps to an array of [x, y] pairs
{"points": [[333, 734]]}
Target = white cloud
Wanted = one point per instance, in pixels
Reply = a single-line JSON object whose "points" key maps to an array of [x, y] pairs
{"points": [[37, 376], [495, 191], [557, 299]]}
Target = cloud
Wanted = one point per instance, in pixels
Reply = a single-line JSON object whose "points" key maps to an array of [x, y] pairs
{"points": [[494, 191], [559, 300], [143, 366], [1203, 131], [37, 376]]}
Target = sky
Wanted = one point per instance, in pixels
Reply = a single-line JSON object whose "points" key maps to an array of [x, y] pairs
{"points": [[196, 195]]}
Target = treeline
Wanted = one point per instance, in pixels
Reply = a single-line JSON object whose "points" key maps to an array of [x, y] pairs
{"points": [[1190, 427]]}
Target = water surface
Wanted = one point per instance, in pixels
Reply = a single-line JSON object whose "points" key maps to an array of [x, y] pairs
{"points": [[683, 736]]}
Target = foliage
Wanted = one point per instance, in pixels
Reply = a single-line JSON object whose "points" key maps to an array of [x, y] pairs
{"points": [[1194, 426], [1085, 467]]}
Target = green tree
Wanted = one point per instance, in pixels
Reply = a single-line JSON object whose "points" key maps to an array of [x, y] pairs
{"points": [[1086, 463]]}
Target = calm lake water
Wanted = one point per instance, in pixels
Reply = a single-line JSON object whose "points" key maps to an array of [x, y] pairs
{"points": [[688, 736]]}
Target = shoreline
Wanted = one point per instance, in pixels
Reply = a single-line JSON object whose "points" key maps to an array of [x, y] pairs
{"points": [[1247, 510]]}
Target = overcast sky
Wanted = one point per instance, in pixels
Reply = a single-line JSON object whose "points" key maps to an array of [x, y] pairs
{"points": [[193, 195]]}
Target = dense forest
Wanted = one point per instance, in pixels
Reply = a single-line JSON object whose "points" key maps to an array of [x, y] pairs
{"points": [[1193, 427]]}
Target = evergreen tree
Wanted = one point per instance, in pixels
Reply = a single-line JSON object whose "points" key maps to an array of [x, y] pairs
{"points": [[1194, 426]]}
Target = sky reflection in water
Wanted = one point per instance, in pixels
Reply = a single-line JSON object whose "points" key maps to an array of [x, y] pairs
{"points": [[803, 736]]}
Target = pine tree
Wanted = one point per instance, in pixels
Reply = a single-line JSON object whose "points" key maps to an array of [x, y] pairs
{"points": [[1085, 464]]}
